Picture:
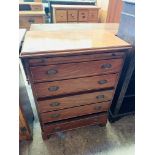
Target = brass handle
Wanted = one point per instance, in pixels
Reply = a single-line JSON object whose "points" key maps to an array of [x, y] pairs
{"points": [[54, 104], [53, 88], [52, 72], [57, 128], [100, 97], [98, 107], [102, 82], [106, 66], [54, 115], [31, 20]]}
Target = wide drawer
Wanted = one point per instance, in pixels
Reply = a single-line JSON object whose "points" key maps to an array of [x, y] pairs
{"points": [[76, 58], [50, 89], [74, 112], [75, 70], [76, 123], [26, 21], [75, 100]]}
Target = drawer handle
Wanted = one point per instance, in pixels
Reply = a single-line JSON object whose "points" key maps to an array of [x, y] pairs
{"points": [[57, 128], [53, 88], [54, 115], [100, 97], [98, 108], [106, 66], [52, 72], [102, 82], [54, 104], [31, 20]]}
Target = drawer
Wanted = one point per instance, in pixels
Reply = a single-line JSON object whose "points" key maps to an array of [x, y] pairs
{"points": [[26, 21], [61, 15], [36, 7], [76, 123], [74, 112], [75, 70], [78, 58], [74, 101], [72, 15], [93, 15], [50, 89], [83, 15]]}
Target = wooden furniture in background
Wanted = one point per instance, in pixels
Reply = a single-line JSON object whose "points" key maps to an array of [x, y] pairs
{"points": [[68, 2], [30, 12], [73, 77], [75, 13], [114, 11]]}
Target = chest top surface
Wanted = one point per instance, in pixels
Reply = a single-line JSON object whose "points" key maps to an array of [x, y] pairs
{"points": [[68, 41]]}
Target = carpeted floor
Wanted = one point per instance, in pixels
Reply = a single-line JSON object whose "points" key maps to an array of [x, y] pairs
{"points": [[114, 139]]}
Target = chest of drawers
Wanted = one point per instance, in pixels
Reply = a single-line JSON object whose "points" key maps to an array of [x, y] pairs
{"points": [[30, 13], [73, 77], [75, 13]]}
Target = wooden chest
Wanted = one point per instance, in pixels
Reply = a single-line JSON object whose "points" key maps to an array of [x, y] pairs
{"points": [[30, 13], [75, 13], [73, 74]]}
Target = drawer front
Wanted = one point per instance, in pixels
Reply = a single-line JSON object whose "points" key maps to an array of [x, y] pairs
{"points": [[50, 89], [73, 101], [75, 70], [74, 112], [36, 7], [69, 59], [76, 123], [93, 15], [72, 15], [83, 16], [27, 21], [61, 15]]}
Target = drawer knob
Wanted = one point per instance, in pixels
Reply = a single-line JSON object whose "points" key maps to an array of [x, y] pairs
{"points": [[54, 115], [98, 107], [100, 97], [106, 66], [102, 82], [52, 72], [54, 104], [31, 20], [53, 88]]}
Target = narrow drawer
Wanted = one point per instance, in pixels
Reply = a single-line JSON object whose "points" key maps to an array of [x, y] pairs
{"points": [[76, 123], [83, 15], [61, 15], [93, 15], [78, 58], [75, 112], [50, 89], [26, 21], [75, 100], [75, 70], [72, 15]]}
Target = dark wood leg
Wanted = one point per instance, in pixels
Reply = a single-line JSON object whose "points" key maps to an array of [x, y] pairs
{"points": [[45, 136]]}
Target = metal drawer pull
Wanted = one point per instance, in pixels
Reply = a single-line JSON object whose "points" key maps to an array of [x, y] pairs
{"points": [[102, 82], [31, 20], [54, 115], [98, 108], [57, 128], [52, 72], [54, 104], [106, 66], [53, 88], [100, 97]]}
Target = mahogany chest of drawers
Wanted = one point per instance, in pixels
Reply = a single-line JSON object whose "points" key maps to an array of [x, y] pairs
{"points": [[73, 75], [75, 13], [30, 13]]}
